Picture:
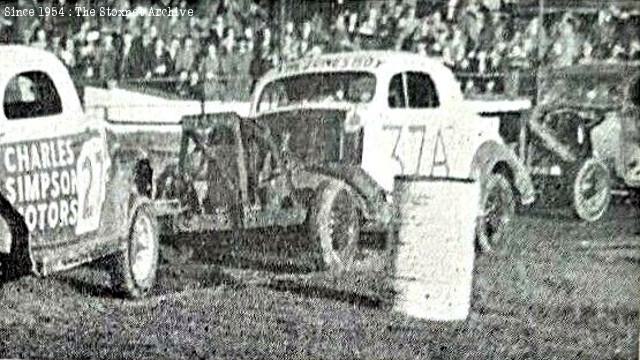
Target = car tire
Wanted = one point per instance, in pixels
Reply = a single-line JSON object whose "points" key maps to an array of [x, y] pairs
{"points": [[591, 190], [135, 267], [497, 209], [335, 226]]}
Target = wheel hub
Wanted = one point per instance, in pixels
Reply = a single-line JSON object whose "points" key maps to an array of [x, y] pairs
{"points": [[343, 228], [143, 249]]}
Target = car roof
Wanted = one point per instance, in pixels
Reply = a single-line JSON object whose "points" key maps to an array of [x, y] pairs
{"points": [[375, 61], [19, 57]]}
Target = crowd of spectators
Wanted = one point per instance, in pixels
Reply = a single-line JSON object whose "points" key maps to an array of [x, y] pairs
{"points": [[227, 44], [480, 43], [208, 54]]}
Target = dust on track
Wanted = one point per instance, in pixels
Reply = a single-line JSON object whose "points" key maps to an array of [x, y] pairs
{"points": [[567, 290]]}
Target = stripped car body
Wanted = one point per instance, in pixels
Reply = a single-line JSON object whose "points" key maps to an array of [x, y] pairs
{"points": [[69, 195], [586, 122], [358, 119]]}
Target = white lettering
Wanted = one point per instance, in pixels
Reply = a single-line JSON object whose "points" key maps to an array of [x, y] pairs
{"points": [[31, 188], [23, 158], [8, 164], [9, 186], [35, 158], [53, 215]]}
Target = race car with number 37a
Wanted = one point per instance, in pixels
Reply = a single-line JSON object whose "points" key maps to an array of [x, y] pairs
{"points": [[322, 144], [69, 194]]}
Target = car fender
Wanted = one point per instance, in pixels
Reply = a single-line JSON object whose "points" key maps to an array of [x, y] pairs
{"points": [[14, 245], [492, 156], [369, 195]]}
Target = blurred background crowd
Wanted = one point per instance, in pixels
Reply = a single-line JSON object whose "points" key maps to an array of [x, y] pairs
{"points": [[220, 51]]}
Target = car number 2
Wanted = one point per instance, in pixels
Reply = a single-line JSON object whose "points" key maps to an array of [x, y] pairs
{"points": [[91, 169]]}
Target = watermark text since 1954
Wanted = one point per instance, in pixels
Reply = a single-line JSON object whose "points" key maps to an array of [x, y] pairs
{"points": [[103, 11]]}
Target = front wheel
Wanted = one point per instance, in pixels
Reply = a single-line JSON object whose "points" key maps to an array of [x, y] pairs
{"points": [[497, 208], [591, 190], [336, 225], [136, 266]]}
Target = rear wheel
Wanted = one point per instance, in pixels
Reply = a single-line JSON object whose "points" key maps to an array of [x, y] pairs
{"points": [[136, 266], [497, 208], [591, 190], [336, 225]]}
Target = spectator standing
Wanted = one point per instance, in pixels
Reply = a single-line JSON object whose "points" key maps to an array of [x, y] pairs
{"points": [[24, 26], [218, 30], [55, 44], [249, 39], [5, 30], [125, 65], [368, 30], [182, 84], [228, 65], [172, 53], [290, 42], [260, 62], [341, 41], [186, 58], [587, 53], [160, 60], [87, 59], [40, 39], [305, 43], [141, 55], [455, 52], [605, 35], [210, 71], [243, 64], [62, 22], [228, 42], [108, 57], [68, 53], [567, 46]]}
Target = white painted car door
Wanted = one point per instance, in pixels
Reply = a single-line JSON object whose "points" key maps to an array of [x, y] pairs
{"points": [[53, 163], [413, 135]]}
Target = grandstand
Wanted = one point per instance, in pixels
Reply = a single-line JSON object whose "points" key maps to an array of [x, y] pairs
{"points": [[495, 46]]}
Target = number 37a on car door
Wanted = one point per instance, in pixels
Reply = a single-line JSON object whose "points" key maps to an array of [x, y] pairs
{"points": [[414, 135]]}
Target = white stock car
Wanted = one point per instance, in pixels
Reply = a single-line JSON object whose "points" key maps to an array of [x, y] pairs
{"points": [[402, 114], [70, 194]]}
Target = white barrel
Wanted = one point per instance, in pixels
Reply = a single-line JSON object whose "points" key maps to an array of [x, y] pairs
{"points": [[433, 252]]}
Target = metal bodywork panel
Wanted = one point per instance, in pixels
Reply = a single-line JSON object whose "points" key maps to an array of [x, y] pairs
{"points": [[591, 108], [250, 173], [490, 157], [67, 189]]}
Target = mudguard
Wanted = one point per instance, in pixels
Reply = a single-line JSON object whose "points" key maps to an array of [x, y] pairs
{"points": [[491, 156], [370, 196]]}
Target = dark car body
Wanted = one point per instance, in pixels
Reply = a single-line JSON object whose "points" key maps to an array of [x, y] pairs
{"points": [[589, 111], [249, 173]]}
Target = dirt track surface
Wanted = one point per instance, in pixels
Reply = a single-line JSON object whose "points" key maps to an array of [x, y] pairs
{"points": [[568, 291]]}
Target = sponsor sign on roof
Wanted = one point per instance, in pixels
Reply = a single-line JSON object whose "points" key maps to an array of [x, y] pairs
{"points": [[326, 63]]}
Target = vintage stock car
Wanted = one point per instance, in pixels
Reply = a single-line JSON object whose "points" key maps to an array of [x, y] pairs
{"points": [[70, 194], [584, 136], [322, 144]]}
